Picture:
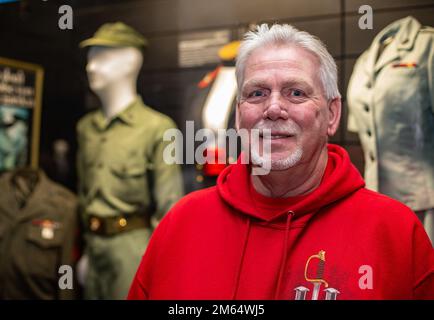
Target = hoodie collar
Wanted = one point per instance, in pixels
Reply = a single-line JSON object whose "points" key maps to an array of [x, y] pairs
{"points": [[341, 179]]}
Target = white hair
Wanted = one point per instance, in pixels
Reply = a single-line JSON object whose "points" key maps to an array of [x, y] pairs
{"points": [[286, 34]]}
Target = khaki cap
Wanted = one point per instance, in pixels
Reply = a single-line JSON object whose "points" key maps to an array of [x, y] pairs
{"points": [[116, 34]]}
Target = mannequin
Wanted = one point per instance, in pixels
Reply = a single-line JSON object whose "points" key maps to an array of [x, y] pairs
{"points": [[125, 187], [112, 74]]}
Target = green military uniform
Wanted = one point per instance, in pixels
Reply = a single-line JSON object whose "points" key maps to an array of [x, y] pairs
{"points": [[121, 169], [391, 103], [38, 220]]}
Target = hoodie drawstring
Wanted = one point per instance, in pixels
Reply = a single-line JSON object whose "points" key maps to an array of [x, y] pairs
{"points": [[284, 254], [238, 273]]}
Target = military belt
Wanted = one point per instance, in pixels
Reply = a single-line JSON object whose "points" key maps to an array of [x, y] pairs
{"points": [[110, 226]]}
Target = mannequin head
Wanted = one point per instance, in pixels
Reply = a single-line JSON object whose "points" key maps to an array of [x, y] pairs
{"points": [[112, 74], [110, 67]]}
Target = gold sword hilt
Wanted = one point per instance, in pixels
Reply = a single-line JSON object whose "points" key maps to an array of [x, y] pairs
{"points": [[320, 272]]}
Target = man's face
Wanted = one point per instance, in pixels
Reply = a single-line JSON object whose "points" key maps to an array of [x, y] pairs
{"points": [[282, 92]]}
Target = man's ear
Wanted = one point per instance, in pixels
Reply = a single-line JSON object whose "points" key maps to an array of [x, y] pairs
{"points": [[334, 116]]}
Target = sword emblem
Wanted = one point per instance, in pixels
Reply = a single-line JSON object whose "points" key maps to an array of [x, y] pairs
{"points": [[319, 279]]}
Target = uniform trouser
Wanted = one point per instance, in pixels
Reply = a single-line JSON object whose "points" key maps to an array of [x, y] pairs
{"points": [[113, 262], [427, 219]]}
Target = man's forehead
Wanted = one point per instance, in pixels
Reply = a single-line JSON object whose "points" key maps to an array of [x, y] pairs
{"points": [[281, 54], [288, 80], [292, 65]]}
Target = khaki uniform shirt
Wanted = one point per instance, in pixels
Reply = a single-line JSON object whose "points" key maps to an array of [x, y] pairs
{"points": [[120, 163], [36, 239], [391, 103]]}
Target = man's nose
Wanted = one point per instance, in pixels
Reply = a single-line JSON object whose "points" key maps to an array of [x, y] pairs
{"points": [[276, 108]]}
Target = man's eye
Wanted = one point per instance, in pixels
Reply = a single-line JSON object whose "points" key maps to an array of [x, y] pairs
{"points": [[296, 93], [257, 93]]}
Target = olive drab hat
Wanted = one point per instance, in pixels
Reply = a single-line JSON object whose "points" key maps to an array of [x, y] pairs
{"points": [[116, 34]]}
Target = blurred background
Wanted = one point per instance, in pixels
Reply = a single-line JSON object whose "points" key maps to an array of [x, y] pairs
{"points": [[168, 81]]}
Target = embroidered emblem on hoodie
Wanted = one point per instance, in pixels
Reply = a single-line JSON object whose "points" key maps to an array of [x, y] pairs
{"points": [[315, 275]]}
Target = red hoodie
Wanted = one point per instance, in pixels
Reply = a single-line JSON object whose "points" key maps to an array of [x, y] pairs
{"points": [[229, 242]]}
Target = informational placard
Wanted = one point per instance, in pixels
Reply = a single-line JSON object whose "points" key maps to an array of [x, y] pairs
{"points": [[201, 48], [20, 113]]}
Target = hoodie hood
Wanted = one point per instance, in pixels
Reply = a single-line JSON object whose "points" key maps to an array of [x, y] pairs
{"points": [[342, 179]]}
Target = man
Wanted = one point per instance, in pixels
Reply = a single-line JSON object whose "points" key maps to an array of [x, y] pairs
{"points": [[308, 229]]}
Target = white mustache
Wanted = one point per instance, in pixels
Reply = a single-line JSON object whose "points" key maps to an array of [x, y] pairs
{"points": [[290, 127]]}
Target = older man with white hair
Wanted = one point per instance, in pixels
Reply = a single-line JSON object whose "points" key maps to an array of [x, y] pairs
{"points": [[306, 230]]}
